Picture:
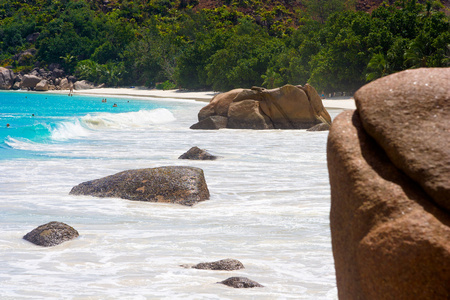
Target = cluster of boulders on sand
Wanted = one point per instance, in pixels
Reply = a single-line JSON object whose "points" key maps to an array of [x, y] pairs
{"points": [[389, 168], [41, 80], [286, 107]]}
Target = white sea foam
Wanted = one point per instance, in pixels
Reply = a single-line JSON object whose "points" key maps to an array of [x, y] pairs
{"points": [[269, 208], [142, 118]]}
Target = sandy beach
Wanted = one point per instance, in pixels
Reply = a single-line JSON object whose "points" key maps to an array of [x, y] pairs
{"points": [[336, 103]]}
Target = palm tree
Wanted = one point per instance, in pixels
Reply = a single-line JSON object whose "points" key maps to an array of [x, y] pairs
{"points": [[379, 67]]}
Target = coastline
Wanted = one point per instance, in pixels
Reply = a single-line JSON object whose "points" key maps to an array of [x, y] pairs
{"points": [[345, 103]]}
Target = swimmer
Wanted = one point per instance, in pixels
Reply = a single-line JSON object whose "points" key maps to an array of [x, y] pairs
{"points": [[115, 105], [7, 125]]}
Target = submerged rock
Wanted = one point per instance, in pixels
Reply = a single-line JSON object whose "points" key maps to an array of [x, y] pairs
{"points": [[389, 222], [196, 153], [240, 282], [182, 185], [51, 234], [287, 107], [320, 127], [222, 265]]}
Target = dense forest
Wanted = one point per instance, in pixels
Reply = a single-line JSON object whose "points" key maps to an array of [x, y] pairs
{"points": [[332, 44]]}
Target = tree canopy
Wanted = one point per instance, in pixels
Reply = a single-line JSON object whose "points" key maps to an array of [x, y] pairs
{"points": [[241, 43]]}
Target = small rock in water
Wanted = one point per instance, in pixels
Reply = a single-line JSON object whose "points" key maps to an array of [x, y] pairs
{"points": [[196, 153], [51, 234], [223, 265], [240, 282]]}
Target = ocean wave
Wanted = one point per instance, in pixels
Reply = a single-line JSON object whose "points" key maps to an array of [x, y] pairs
{"points": [[142, 118]]}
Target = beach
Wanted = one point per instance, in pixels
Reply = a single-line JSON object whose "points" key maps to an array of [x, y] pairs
{"points": [[204, 96]]}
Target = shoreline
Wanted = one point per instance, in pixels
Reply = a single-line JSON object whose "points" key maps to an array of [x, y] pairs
{"points": [[345, 103]]}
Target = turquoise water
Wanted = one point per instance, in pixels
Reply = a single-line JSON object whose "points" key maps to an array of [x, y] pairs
{"points": [[56, 118], [269, 204]]}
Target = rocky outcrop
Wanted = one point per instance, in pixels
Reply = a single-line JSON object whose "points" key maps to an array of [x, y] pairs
{"points": [[83, 85], [287, 107], [211, 122], [182, 185], [42, 86], [390, 223], [51, 234], [240, 282], [6, 78], [320, 127], [29, 81], [221, 265], [195, 153]]}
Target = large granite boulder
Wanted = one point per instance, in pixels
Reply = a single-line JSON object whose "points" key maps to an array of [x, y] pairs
{"points": [[64, 84], [408, 114], [182, 185], [83, 85], [51, 234], [390, 231], [42, 86], [6, 78], [287, 107], [29, 81]]}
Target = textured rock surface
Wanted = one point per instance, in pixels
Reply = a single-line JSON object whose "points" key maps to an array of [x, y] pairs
{"points": [[211, 122], [51, 234], [408, 114], [182, 185], [83, 85], [240, 282], [29, 81], [42, 86], [196, 153], [390, 240], [6, 78], [246, 114], [319, 127], [287, 107], [222, 265]]}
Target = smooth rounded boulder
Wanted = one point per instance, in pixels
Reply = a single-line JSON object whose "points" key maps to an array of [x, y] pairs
{"points": [[390, 237], [51, 234], [408, 114], [6, 78], [287, 107], [175, 184]]}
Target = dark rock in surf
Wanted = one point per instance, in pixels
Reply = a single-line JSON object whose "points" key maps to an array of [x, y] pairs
{"points": [[221, 265], [240, 282], [211, 122], [51, 234], [196, 153], [181, 185]]}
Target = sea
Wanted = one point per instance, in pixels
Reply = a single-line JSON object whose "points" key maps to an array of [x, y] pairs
{"points": [[269, 205]]}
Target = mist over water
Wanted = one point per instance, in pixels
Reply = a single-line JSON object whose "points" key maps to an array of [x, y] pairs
{"points": [[269, 205]]}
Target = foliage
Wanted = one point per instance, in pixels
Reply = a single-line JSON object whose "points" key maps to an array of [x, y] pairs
{"points": [[237, 44]]}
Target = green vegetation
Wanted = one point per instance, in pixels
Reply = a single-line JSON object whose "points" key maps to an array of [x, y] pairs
{"points": [[239, 44]]}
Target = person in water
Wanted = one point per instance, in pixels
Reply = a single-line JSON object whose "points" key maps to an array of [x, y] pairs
{"points": [[115, 105], [7, 125]]}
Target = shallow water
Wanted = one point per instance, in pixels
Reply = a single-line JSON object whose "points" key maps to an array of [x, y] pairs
{"points": [[269, 205]]}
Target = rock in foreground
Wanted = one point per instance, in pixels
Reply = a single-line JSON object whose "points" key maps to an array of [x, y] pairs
{"points": [[51, 234], [287, 107], [390, 236], [222, 265], [240, 282], [195, 153], [181, 185]]}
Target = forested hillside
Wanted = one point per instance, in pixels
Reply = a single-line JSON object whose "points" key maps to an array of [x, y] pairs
{"points": [[335, 45]]}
